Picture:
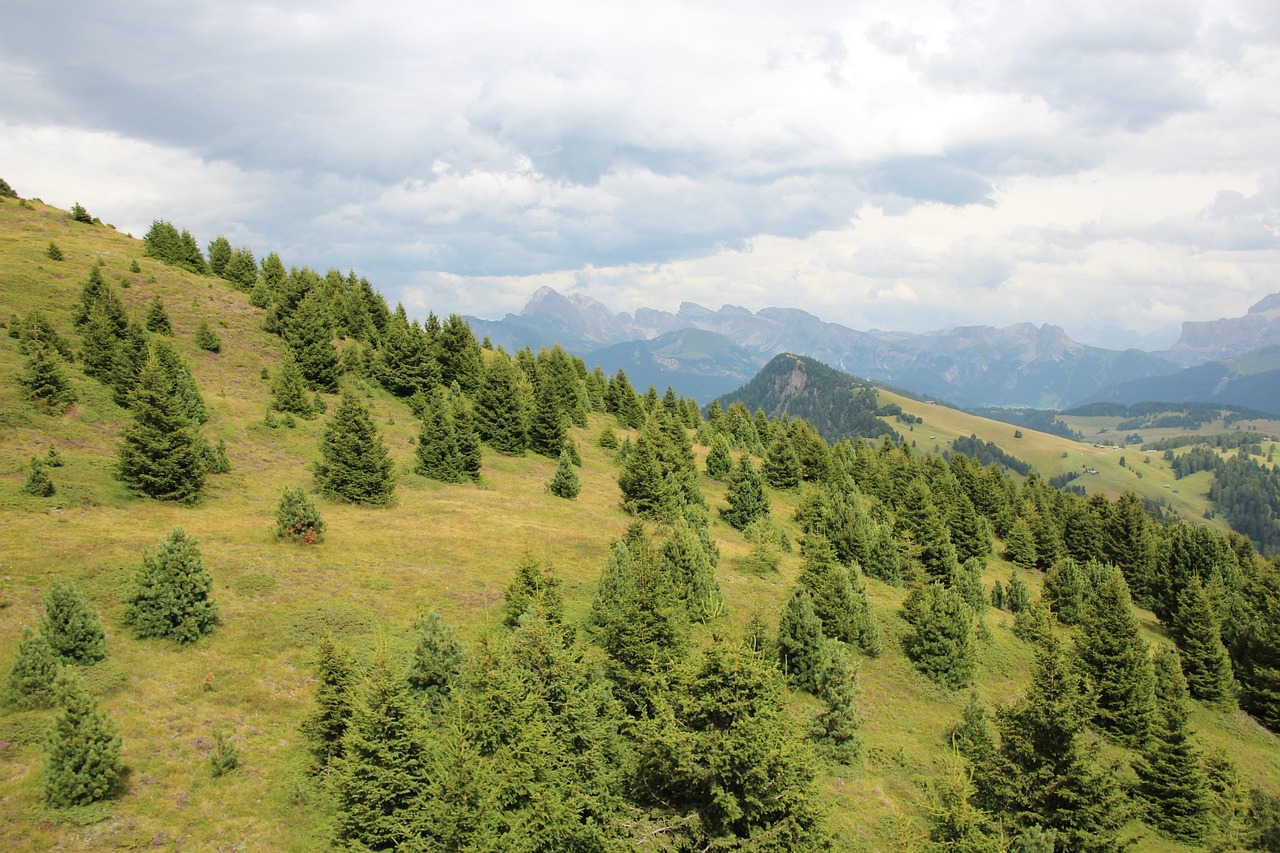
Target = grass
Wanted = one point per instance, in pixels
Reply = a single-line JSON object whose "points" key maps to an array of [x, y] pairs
{"points": [[451, 548]]}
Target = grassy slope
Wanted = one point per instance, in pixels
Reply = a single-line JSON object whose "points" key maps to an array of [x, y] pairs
{"points": [[446, 547]]}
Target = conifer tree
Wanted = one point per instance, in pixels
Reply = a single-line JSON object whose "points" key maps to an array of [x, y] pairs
{"points": [[289, 391], [745, 495], [310, 337], [800, 640], [1066, 590], [970, 532], [565, 483], [645, 490], [184, 385], [382, 766], [622, 402], [460, 359], [689, 558], [1118, 661], [534, 586], [355, 466], [973, 736], [1020, 546], [843, 609], [207, 339], [71, 627], [1017, 595], [437, 455], [940, 643], [719, 753], [34, 674], [82, 754], [37, 482], [157, 320], [968, 582], [437, 656], [500, 418], [835, 731], [1045, 773], [297, 518], [781, 468], [219, 254], [336, 680], [161, 454], [44, 380], [920, 515], [169, 596], [1171, 774], [719, 462], [1205, 662], [241, 270]]}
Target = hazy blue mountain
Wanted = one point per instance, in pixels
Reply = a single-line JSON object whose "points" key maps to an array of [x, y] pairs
{"points": [[1251, 380]]}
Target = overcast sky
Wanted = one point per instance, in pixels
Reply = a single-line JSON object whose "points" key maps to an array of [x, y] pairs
{"points": [[890, 164]]}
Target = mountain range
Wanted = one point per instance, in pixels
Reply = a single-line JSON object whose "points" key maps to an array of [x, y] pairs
{"points": [[705, 353]]}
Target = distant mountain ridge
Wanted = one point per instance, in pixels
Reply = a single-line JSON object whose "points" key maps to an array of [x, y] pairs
{"points": [[1018, 365]]}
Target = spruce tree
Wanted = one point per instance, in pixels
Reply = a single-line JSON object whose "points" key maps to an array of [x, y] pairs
{"points": [[1045, 772], [1171, 773], [500, 418], [437, 455], [548, 426], [781, 468], [219, 254], [336, 679], [920, 515], [745, 495], [297, 519], [973, 736], [645, 489], [719, 462], [1017, 595], [940, 643], [1020, 546], [310, 337], [844, 610], [128, 357], [82, 754], [207, 339], [800, 640], [169, 596], [835, 731], [34, 674], [37, 482], [1118, 661], [354, 464], [289, 392], [534, 586], [1066, 590], [689, 558], [437, 656], [157, 321], [161, 453], [71, 627], [44, 380], [467, 434], [173, 364], [565, 482], [1198, 634], [1259, 656], [382, 766]]}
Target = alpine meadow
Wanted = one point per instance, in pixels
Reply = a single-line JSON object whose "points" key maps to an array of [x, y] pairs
{"points": [[286, 568]]}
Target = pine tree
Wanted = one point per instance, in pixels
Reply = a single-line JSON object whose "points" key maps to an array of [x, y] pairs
{"points": [[1171, 773], [645, 490], [1205, 662], [71, 627], [533, 586], [82, 754], [745, 495], [437, 455], [500, 418], [781, 468], [219, 254], [719, 753], [310, 337], [843, 609], [297, 518], [355, 466], [1017, 595], [437, 656], [173, 364], [957, 822], [289, 392], [242, 270], [1066, 590], [689, 558], [800, 640], [382, 766], [1019, 546], [1259, 657], [565, 482], [336, 680], [44, 380], [920, 515], [34, 674], [719, 462], [940, 644], [1045, 772], [161, 454], [157, 320], [207, 339], [79, 214], [37, 482], [468, 437], [972, 736], [460, 359], [169, 596], [835, 731], [1118, 660]]}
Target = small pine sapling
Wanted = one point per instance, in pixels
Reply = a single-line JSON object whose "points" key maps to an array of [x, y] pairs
{"points": [[224, 757], [83, 751], [53, 459], [72, 628], [170, 593], [53, 253], [297, 518], [37, 483], [79, 214], [565, 482], [207, 339], [157, 318], [34, 673]]}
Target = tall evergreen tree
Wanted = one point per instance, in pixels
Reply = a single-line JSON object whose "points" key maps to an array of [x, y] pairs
{"points": [[336, 679], [310, 337], [973, 736], [800, 640], [465, 431], [499, 415], [184, 385], [565, 483], [289, 391], [1118, 661], [719, 462], [746, 497], [689, 557], [169, 596], [1020, 546], [437, 454], [161, 453], [940, 644], [377, 777], [460, 359], [920, 515], [1259, 656], [82, 763], [44, 380], [72, 628], [1066, 589], [157, 320], [1045, 772], [835, 731], [843, 608], [534, 586], [437, 656], [646, 490], [219, 254], [1171, 774], [1198, 634], [355, 466], [781, 468]]}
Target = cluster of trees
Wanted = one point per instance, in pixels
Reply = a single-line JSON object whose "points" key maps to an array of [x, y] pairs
{"points": [[1244, 491]]}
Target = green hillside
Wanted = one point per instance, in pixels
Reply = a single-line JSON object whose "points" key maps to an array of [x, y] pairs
{"points": [[451, 548]]}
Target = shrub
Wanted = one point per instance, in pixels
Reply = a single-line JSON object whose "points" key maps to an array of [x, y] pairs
{"points": [[224, 757], [297, 518]]}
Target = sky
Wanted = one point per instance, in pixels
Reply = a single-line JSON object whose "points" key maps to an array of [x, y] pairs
{"points": [[894, 164]]}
